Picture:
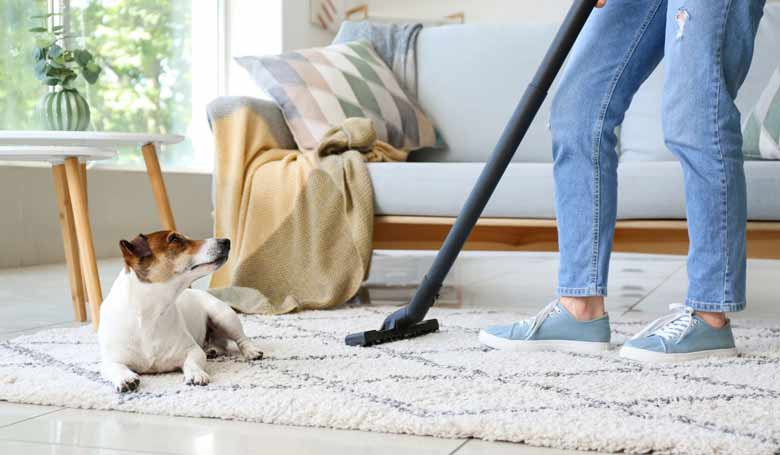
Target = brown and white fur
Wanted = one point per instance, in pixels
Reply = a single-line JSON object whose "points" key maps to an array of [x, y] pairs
{"points": [[151, 322]]}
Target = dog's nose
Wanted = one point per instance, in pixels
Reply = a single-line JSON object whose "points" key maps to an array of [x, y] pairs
{"points": [[224, 243]]}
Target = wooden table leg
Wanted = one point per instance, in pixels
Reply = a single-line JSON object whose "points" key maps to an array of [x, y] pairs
{"points": [[84, 182], [69, 242], [86, 204], [158, 186], [84, 236]]}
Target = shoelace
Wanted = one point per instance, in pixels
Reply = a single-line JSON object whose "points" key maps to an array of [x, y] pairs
{"points": [[537, 320], [673, 326]]}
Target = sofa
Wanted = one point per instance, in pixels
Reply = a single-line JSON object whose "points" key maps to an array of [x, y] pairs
{"points": [[470, 78]]}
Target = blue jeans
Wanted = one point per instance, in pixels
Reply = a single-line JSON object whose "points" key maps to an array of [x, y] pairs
{"points": [[708, 45]]}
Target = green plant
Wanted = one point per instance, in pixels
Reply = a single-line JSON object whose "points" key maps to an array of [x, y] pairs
{"points": [[55, 65]]}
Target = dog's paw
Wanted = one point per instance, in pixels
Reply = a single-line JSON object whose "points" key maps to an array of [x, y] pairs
{"points": [[196, 378], [249, 351], [127, 384], [212, 352]]}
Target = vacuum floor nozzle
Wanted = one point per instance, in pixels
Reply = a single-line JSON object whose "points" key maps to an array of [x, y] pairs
{"points": [[372, 337]]}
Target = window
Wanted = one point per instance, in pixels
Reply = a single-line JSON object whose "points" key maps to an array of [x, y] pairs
{"points": [[162, 60], [145, 47]]}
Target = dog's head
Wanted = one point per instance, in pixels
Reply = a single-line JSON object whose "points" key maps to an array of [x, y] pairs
{"points": [[167, 255]]}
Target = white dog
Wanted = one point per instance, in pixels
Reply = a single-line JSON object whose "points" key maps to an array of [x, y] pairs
{"points": [[152, 323]]}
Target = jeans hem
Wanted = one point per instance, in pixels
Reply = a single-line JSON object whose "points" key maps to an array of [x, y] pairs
{"points": [[730, 307], [582, 292]]}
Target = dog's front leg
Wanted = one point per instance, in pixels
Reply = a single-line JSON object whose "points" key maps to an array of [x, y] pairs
{"points": [[194, 365], [225, 323], [120, 376]]}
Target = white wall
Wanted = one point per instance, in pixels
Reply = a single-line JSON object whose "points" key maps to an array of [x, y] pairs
{"points": [[298, 33], [120, 204], [477, 11], [254, 27]]}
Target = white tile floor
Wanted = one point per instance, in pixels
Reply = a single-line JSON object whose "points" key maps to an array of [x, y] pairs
{"points": [[34, 298]]}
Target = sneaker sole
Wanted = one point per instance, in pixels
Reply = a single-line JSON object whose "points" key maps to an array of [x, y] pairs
{"points": [[503, 344], [643, 355]]}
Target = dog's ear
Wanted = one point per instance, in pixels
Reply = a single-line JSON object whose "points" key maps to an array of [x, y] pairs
{"points": [[135, 250], [127, 249]]}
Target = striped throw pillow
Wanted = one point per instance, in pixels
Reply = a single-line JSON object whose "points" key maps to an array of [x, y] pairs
{"points": [[317, 89], [761, 133]]}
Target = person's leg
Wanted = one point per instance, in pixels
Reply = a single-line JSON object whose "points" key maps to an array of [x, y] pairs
{"points": [[709, 45], [618, 49]]}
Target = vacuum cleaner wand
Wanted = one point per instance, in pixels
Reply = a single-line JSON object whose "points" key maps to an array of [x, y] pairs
{"points": [[405, 322]]}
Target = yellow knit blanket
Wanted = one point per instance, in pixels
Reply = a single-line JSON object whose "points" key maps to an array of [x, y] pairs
{"points": [[300, 222]]}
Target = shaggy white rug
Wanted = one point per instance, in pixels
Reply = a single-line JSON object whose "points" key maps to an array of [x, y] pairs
{"points": [[444, 384]]}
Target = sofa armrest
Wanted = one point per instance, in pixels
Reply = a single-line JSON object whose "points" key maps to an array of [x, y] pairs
{"points": [[267, 112], [265, 109]]}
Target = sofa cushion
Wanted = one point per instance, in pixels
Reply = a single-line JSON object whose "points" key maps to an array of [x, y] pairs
{"points": [[318, 88], [762, 127], [470, 78], [641, 135], [646, 190]]}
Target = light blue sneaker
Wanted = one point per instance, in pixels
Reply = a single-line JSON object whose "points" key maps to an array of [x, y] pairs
{"points": [[553, 328], [679, 336]]}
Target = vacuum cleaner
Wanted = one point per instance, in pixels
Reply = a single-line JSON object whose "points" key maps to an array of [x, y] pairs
{"points": [[407, 322]]}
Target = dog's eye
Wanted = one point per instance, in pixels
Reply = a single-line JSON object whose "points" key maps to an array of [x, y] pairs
{"points": [[174, 238]]}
